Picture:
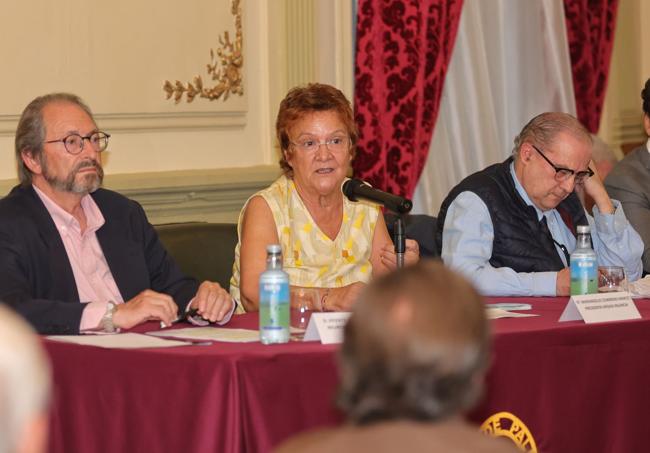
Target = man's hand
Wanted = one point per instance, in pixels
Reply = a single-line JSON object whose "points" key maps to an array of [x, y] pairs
{"points": [[563, 282], [595, 188], [212, 301], [146, 306]]}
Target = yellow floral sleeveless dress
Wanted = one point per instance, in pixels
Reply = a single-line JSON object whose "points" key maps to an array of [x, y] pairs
{"points": [[310, 257]]}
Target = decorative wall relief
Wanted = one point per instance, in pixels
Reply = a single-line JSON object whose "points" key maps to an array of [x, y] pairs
{"points": [[224, 69]]}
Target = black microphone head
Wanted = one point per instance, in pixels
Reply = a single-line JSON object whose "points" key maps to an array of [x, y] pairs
{"points": [[405, 207], [350, 187], [355, 189]]}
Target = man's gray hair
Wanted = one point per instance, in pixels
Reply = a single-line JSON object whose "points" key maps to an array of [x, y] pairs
{"points": [[415, 348], [30, 133], [544, 128], [601, 152], [24, 378]]}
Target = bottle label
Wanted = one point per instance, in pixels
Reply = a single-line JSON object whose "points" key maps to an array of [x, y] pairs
{"points": [[274, 306], [274, 292], [584, 276]]}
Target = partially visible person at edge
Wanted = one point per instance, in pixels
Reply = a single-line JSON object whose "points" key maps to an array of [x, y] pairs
{"points": [[604, 160], [511, 227], [24, 387], [75, 257], [410, 366], [629, 182], [328, 242]]}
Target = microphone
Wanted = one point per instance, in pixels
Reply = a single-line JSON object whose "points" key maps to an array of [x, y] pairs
{"points": [[355, 189], [400, 242]]}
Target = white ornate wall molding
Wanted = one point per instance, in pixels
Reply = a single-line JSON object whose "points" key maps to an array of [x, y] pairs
{"points": [[120, 75], [628, 126], [224, 69], [145, 122], [644, 39], [622, 117], [215, 195], [300, 42], [319, 43], [335, 44], [201, 195]]}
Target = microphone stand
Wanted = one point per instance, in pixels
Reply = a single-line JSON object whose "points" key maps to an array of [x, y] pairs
{"points": [[354, 189], [399, 238]]}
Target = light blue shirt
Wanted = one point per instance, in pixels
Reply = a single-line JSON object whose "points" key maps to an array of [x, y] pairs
{"points": [[467, 245]]}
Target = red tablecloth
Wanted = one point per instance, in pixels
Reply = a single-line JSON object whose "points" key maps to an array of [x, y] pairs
{"points": [[226, 397], [577, 387]]}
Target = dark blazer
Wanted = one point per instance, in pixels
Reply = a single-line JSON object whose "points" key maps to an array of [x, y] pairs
{"points": [[629, 183], [36, 278]]}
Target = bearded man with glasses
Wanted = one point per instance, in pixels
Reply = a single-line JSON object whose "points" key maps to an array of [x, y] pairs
{"points": [[75, 257], [511, 227]]}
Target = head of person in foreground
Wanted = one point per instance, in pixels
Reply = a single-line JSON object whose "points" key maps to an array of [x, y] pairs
{"points": [[24, 387], [415, 348]]}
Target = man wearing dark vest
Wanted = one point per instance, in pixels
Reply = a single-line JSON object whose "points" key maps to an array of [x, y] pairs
{"points": [[511, 227]]}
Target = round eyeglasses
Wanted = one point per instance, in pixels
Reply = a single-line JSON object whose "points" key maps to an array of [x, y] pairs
{"points": [[334, 144], [74, 143]]}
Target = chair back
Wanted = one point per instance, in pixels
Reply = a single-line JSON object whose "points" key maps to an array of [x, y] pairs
{"points": [[205, 251], [420, 227]]}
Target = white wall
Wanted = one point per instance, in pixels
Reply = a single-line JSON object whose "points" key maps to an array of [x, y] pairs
{"points": [[116, 55], [622, 119]]}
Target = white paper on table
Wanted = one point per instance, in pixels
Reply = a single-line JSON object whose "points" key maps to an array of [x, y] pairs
{"points": [[119, 341], [211, 333], [496, 313], [600, 307], [327, 327], [510, 306]]}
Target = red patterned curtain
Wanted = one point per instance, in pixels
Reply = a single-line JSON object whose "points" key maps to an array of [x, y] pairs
{"points": [[403, 51], [590, 29]]}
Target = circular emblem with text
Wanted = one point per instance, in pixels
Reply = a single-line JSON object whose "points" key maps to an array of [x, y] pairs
{"points": [[505, 424]]}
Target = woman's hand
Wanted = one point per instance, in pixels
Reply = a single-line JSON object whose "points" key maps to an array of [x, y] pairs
{"points": [[340, 299], [411, 254]]}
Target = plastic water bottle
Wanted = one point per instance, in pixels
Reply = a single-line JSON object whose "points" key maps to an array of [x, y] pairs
{"points": [[274, 299], [584, 264]]}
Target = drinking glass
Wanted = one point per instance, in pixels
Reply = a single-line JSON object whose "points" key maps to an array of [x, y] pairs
{"points": [[611, 278], [303, 302]]}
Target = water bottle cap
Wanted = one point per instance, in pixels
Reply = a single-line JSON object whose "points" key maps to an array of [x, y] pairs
{"points": [[583, 229], [273, 248]]}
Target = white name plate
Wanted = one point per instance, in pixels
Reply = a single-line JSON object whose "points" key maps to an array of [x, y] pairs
{"points": [[326, 327], [600, 307]]}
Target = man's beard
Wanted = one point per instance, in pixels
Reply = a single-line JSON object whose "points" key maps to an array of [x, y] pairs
{"points": [[88, 184]]}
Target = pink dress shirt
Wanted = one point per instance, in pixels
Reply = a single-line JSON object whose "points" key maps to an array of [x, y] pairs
{"points": [[95, 282]]}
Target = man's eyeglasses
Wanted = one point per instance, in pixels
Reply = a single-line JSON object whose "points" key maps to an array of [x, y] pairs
{"points": [[74, 143], [334, 144], [562, 174]]}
